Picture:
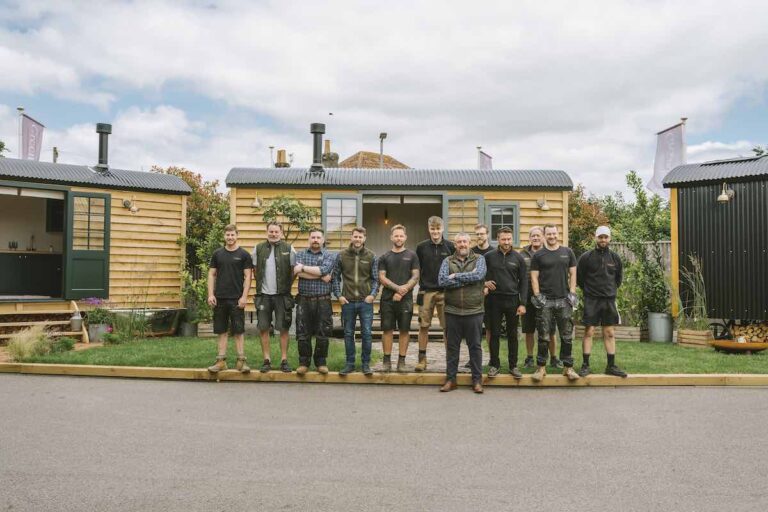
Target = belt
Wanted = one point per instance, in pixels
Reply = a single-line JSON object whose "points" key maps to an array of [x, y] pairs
{"points": [[315, 297]]}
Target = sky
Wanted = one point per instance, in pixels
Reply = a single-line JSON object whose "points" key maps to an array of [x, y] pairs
{"points": [[574, 85]]}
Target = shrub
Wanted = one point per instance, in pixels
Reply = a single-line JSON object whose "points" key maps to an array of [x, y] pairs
{"points": [[113, 338], [98, 316], [29, 343], [62, 344]]}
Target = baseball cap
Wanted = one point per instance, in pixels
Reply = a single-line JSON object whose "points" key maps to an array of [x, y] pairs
{"points": [[603, 230]]}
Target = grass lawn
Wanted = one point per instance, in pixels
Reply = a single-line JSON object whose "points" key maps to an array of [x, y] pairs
{"points": [[634, 357]]}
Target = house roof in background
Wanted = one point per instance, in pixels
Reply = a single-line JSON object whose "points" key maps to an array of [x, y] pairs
{"points": [[717, 170], [340, 178], [370, 160], [65, 174]]}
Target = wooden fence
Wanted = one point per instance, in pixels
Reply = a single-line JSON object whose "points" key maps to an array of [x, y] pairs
{"points": [[665, 247]]}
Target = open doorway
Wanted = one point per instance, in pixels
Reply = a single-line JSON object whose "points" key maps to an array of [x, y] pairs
{"points": [[31, 243], [381, 212]]}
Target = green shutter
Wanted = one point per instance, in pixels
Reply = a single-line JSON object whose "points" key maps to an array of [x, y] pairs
{"points": [[87, 246]]}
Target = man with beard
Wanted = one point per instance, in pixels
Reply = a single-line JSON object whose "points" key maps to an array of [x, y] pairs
{"points": [[462, 276], [431, 254], [274, 261], [506, 288], [536, 238], [358, 267], [398, 274], [553, 273], [314, 314], [481, 248], [599, 274]]}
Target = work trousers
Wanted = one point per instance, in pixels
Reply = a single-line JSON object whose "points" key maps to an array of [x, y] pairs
{"points": [[314, 317], [470, 328], [503, 307], [350, 312], [555, 315]]}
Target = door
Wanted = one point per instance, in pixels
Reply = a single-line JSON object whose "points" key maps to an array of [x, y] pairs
{"points": [[87, 246]]}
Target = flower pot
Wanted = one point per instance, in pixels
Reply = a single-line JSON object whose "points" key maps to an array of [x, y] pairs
{"points": [[97, 331], [660, 327], [694, 338], [188, 330]]}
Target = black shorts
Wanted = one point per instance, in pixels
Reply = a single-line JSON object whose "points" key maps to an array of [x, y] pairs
{"points": [[228, 317], [529, 319], [396, 315], [279, 306], [600, 311]]}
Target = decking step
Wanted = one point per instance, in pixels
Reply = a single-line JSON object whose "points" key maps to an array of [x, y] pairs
{"points": [[51, 312], [52, 333], [29, 324]]}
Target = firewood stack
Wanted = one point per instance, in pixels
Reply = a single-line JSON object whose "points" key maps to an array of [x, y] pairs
{"points": [[754, 333]]}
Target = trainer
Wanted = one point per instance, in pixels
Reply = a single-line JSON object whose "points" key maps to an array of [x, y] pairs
{"points": [[599, 274], [462, 276]]}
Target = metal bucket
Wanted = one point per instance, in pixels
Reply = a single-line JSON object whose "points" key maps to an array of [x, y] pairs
{"points": [[660, 327]]}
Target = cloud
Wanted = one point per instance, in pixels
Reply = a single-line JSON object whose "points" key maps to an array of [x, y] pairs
{"points": [[712, 150], [576, 86]]}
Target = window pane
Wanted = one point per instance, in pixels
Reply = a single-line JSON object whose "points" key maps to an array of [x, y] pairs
{"points": [[333, 207], [349, 207], [332, 223]]}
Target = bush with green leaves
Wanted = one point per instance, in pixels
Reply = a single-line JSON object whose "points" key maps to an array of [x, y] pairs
{"points": [[30, 342], [99, 316], [62, 344]]}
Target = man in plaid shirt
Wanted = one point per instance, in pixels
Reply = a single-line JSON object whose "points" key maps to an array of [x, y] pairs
{"points": [[314, 268]]}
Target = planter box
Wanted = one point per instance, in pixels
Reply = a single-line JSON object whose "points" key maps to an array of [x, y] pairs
{"points": [[623, 333], [96, 332], [691, 338]]}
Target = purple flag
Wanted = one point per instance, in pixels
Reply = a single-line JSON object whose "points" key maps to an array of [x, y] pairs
{"points": [[31, 138]]}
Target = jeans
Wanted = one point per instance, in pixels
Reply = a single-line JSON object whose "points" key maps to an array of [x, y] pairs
{"points": [[469, 327], [314, 317], [349, 314], [500, 307], [556, 314]]}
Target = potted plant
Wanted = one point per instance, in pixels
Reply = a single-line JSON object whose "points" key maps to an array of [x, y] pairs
{"points": [[99, 323], [693, 322]]}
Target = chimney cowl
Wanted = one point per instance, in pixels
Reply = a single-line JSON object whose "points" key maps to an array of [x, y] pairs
{"points": [[103, 129], [317, 130]]}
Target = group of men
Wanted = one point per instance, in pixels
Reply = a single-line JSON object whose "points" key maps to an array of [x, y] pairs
{"points": [[471, 290]]}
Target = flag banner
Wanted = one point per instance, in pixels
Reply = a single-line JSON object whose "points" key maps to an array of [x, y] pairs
{"points": [[31, 138], [670, 152], [484, 160]]}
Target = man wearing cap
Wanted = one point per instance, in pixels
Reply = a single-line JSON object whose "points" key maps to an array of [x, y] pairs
{"points": [[599, 274]]}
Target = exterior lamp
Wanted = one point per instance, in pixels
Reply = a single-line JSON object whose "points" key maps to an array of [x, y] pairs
{"points": [[386, 216], [130, 204], [542, 204], [725, 195], [256, 202]]}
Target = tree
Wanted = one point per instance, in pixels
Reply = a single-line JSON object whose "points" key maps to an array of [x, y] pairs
{"points": [[760, 150], [295, 216], [585, 214], [2, 149]]}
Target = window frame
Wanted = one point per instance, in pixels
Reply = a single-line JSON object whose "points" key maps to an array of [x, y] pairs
{"points": [[515, 205]]}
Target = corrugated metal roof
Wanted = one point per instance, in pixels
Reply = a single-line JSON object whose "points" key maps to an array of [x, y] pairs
{"points": [[400, 178], [717, 170], [65, 174]]}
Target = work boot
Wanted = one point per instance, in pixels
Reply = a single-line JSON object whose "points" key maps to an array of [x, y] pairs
{"points": [[477, 388], [302, 369], [571, 374], [386, 365], [242, 365], [285, 367], [539, 374], [515, 372], [584, 370], [528, 362], [555, 362], [401, 364], [367, 369], [422, 364], [615, 371], [322, 369], [492, 372], [219, 365], [266, 366], [349, 368], [449, 385]]}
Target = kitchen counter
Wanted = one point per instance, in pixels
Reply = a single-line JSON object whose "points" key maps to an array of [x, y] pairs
{"points": [[19, 251]]}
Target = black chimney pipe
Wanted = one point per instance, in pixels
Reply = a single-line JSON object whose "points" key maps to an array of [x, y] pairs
{"points": [[317, 130], [103, 130]]}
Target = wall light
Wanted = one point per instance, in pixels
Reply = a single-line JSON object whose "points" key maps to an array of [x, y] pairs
{"points": [[386, 216], [256, 202], [130, 204], [542, 204], [725, 195]]}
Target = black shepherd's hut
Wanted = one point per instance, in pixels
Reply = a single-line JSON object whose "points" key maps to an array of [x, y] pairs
{"points": [[719, 213]]}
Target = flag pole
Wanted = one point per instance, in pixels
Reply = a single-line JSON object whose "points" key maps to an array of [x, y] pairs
{"points": [[20, 110]]}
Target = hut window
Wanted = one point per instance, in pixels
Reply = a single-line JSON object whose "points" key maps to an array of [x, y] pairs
{"points": [[88, 224], [340, 216], [500, 215]]}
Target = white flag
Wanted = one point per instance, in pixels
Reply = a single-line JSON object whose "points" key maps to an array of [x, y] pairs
{"points": [[31, 138], [670, 152], [484, 160]]}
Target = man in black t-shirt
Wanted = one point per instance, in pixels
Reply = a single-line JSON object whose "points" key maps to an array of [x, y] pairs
{"points": [[553, 279], [229, 279], [398, 274]]}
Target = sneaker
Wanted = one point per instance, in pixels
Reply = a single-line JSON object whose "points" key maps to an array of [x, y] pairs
{"points": [[422, 365], [349, 368], [492, 372], [322, 369], [302, 369], [386, 366], [555, 362], [571, 374], [615, 371], [285, 367], [219, 365], [515, 372], [367, 369], [585, 370], [529, 362], [401, 364], [539, 374], [242, 366], [266, 366]]}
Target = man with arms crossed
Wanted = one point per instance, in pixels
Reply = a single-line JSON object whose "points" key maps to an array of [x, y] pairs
{"points": [[599, 274], [314, 314], [431, 254], [357, 266], [462, 276], [398, 274], [506, 288], [273, 262], [536, 239], [553, 274], [229, 279]]}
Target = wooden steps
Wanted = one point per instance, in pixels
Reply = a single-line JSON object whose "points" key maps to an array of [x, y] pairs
{"points": [[54, 316]]}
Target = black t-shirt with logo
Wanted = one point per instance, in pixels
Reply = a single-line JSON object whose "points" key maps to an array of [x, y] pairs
{"points": [[482, 252], [230, 266], [398, 266], [553, 269]]}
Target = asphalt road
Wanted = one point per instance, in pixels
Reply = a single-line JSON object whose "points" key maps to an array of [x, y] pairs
{"points": [[69, 443]]}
